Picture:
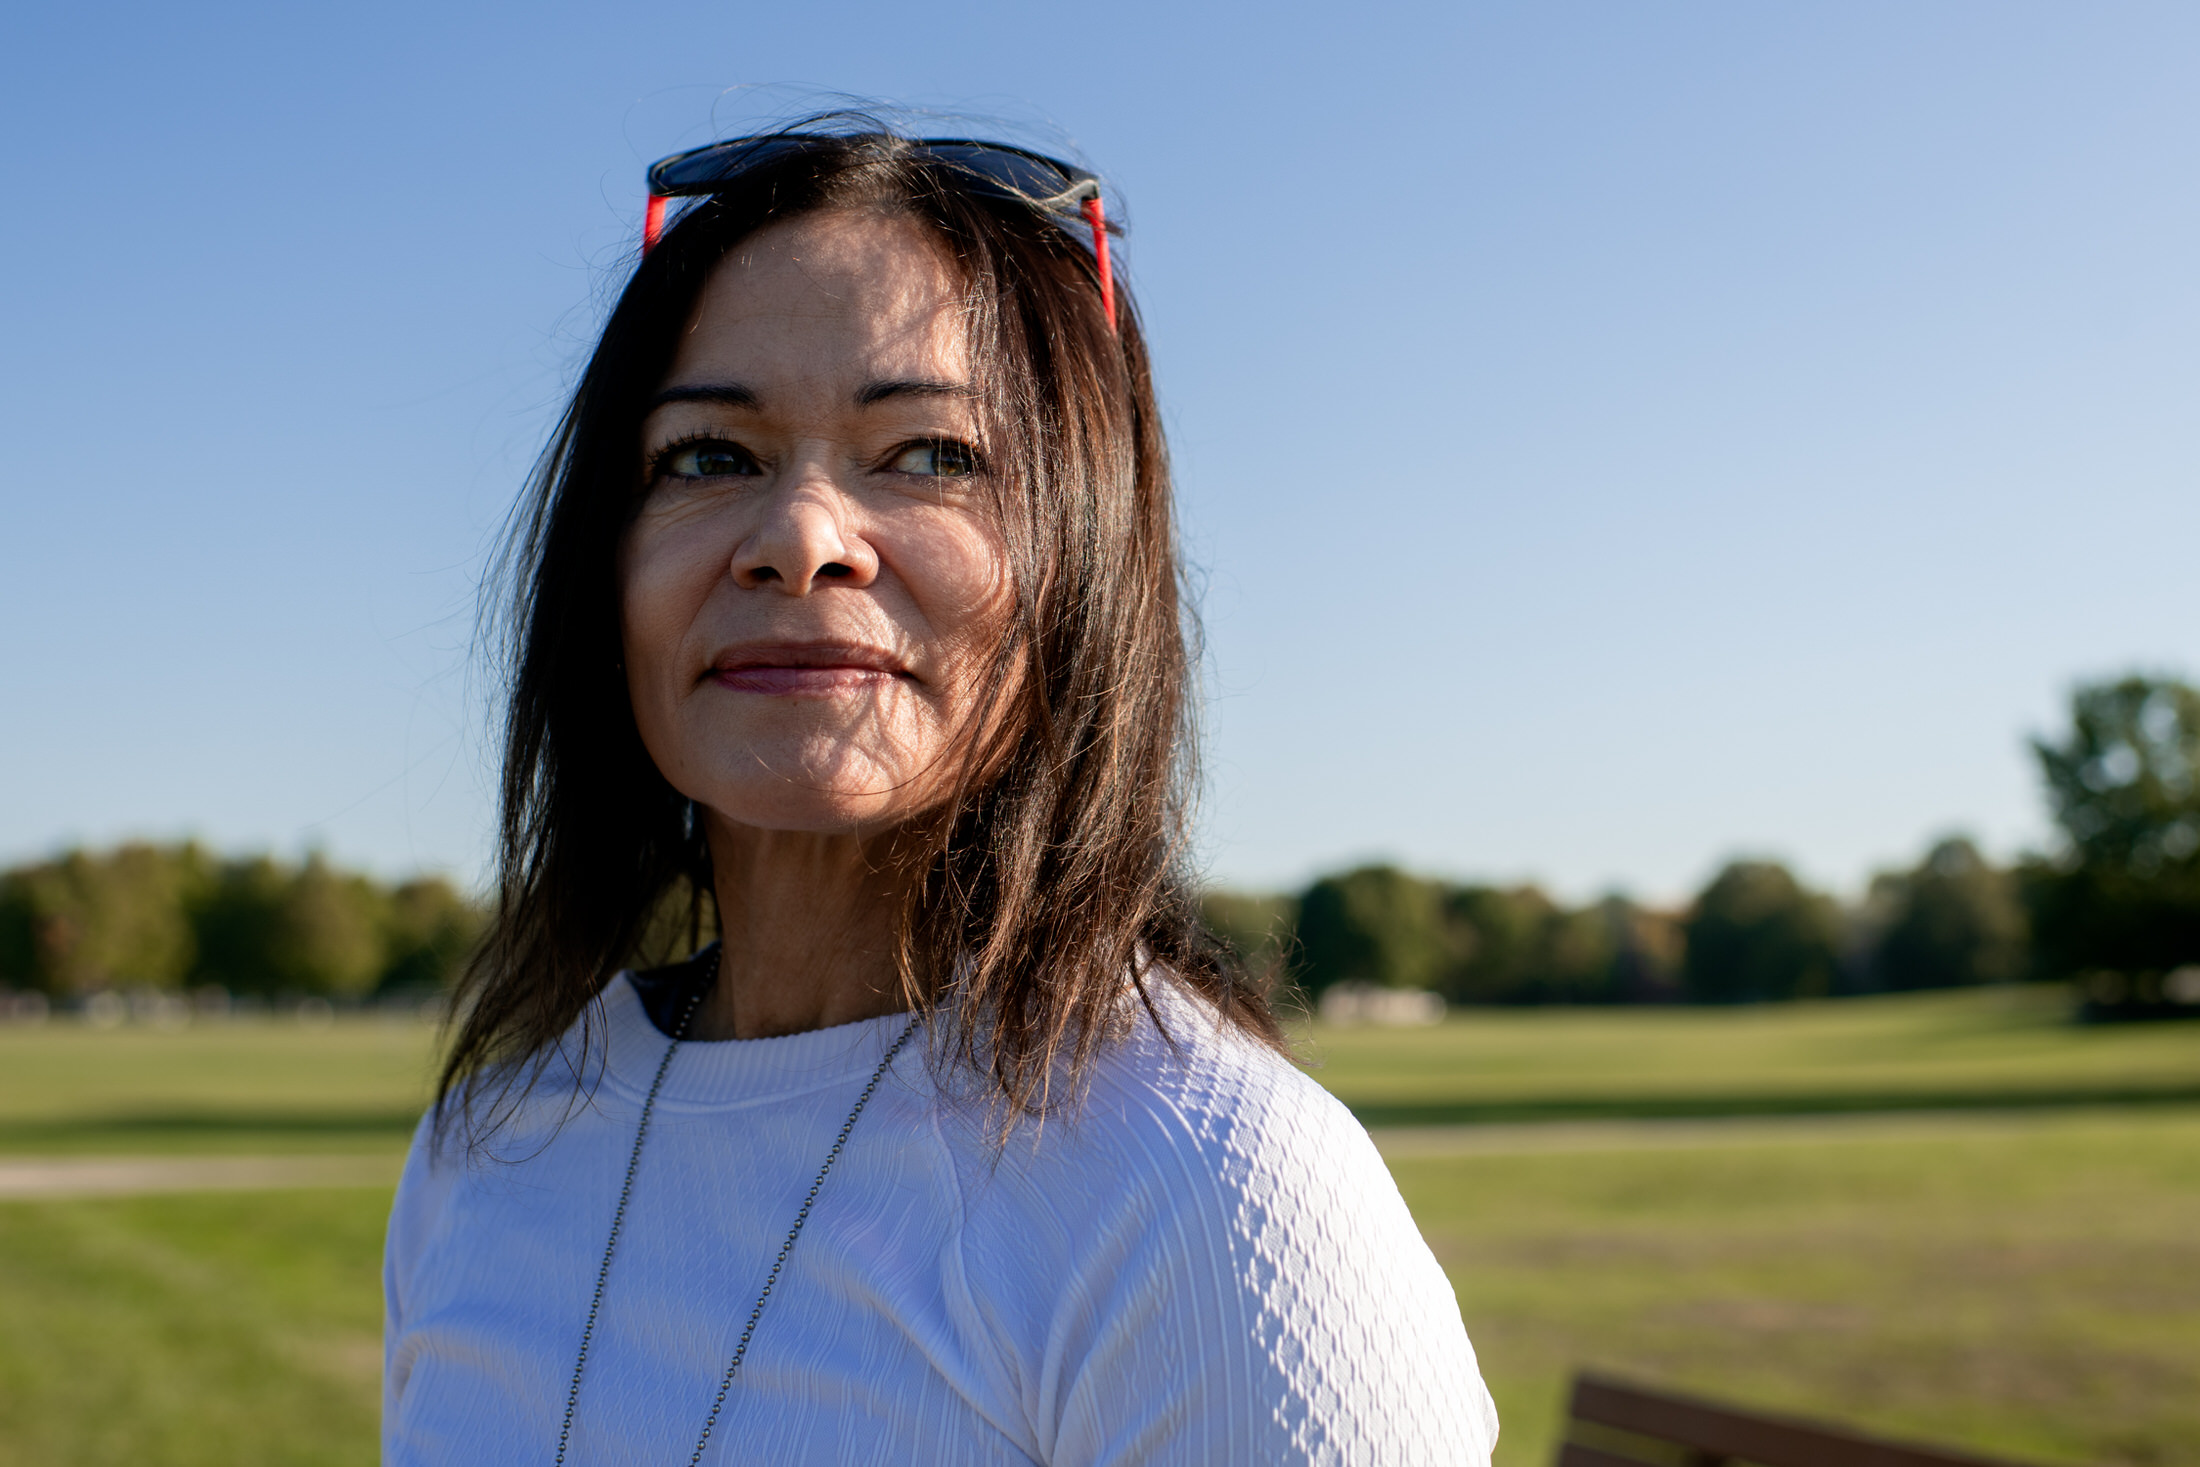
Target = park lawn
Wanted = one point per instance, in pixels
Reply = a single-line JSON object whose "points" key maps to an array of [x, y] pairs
{"points": [[208, 1330], [269, 1085], [2026, 1284], [259, 1085], [2024, 1279], [1989, 1048]]}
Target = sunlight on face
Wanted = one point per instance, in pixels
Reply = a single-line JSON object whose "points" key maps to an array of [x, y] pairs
{"points": [[815, 585]]}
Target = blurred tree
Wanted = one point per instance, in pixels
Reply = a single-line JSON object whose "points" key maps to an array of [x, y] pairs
{"points": [[1499, 936], [2125, 783], [1953, 921], [1580, 956], [429, 930], [237, 919], [169, 915], [1647, 966], [87, 921], [1373, 925], [329, 939], [1757, 934], [1260, 929], [1517, 945], [18, 933], [270, 929], [2124, 894]]}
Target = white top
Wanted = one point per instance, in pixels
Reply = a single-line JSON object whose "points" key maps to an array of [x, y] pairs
{"points": [[1209, 1264]]}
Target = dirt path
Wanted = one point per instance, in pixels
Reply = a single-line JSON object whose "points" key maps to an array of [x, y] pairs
{"points": [[25, 1178]]}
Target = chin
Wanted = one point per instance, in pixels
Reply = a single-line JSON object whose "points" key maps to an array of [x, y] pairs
{"points": [[828, 792]]}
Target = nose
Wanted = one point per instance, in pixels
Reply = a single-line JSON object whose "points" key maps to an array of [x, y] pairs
{"points": [[805, 538]]}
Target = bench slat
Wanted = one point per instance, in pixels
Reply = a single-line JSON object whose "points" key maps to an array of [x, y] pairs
{"points": [[1771, 1441]]}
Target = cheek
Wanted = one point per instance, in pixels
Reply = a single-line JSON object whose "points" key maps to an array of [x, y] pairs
{"points": [[663, 579], [957, 570]]}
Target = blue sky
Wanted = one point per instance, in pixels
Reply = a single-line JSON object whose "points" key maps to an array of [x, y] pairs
{"points": [[1613, 436]]}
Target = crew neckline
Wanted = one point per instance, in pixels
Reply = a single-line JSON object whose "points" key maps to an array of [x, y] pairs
{"points": [[719, 1072]]}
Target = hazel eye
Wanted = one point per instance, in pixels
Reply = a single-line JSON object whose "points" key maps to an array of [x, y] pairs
{"points": [[709, 459], [939, 459]]}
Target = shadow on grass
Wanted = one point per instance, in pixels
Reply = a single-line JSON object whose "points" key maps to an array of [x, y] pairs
{"points": [[169, 1127], [183, 1127], [1825, 1103]]}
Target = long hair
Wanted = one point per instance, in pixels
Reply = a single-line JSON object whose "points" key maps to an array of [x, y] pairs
{"points": [[1052, 886]]}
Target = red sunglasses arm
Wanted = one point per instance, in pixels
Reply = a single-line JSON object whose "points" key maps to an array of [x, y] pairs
{"points": [[1096, 215], [653, 222]]}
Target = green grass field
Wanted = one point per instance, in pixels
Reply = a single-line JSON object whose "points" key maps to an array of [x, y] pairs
{"points": [[1996, 1049], [2029, 1287], [2018, 1271], [261, 1085], [208, 1330]]}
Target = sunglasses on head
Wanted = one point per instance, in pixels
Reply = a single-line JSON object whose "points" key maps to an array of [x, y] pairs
{"points": [[1062, 192]]}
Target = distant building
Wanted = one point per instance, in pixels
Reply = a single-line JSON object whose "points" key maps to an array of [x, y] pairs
{"points": [[1364, 1003]]}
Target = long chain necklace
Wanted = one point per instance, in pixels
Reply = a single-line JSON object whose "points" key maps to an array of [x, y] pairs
{"points": [[771, 1280]]}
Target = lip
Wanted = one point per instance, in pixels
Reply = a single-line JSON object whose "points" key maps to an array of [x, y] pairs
{"points": [[805, 669]]}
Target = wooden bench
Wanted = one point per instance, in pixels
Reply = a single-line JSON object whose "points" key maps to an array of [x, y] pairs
{"points": [[1614, 1424]]}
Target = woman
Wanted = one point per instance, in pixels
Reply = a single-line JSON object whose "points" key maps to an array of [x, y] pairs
{"points": [[850, 611]]}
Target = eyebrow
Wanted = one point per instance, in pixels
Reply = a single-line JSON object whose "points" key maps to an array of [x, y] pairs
{"points": [[734, 394], [872, 392], [725, 394]]}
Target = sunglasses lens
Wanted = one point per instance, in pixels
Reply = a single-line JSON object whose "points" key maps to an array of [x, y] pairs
{"points": [[708, 169], [1025, 176], [1006, 172]]}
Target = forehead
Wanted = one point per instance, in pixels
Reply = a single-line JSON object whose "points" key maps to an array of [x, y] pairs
{"points": [[827, 298]]}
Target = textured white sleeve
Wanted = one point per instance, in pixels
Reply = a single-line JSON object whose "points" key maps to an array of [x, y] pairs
{"points": [[1235, 1280], [420, 1195]]}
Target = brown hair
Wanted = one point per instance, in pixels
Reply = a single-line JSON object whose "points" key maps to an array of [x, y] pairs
{"points": [[1042, 894]]}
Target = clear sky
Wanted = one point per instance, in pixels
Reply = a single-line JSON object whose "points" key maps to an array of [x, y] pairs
{"points": [[1613, 435]]}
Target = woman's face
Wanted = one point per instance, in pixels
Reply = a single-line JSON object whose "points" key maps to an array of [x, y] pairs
{"points": [[814, 587]]}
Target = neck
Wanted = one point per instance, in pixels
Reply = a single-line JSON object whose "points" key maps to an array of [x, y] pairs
{"points": [[808, 923]]}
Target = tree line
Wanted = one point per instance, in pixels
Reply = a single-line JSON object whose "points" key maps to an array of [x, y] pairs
{"points": [[2116, 908], [178, 917]]}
